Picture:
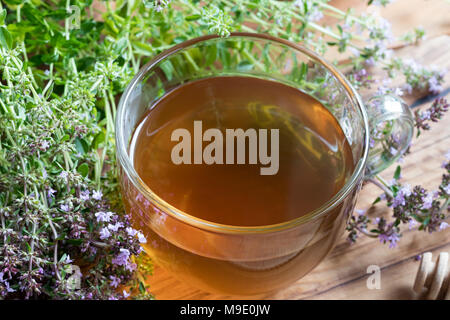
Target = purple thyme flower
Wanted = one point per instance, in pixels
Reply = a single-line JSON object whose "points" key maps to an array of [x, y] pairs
{"points": [[131, 266], [141, 238], [382, 90], [131, 232], [7, 287], [433, 113], [84, 195], [68, 260], [447, 189], [63, 175], [425, 115], [115, 281], [406, 190], [93, 251], [392, 239], [122, 258], [428, 202], [97, 195], [412, 224], [370, 62], [393, 151], [44, 145], [444, 225], [104, 233], [125, 294], [50, 192], [104, 216], [447, 159], [399, 199], [383, 238], [65, 207], [447, 156], [434, 86], [115, 227]]}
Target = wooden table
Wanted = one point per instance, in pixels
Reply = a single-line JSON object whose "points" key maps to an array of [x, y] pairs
{"points": [[343, 275]]}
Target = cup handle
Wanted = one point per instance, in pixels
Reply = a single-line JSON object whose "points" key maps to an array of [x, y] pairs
{"points": [[391, 125]]}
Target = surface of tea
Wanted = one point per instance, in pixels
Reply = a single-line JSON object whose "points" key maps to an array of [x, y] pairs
{"points": [[315, 159]]}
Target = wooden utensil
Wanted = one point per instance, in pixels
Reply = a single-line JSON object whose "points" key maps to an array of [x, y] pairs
{"points": [[433, 278]]}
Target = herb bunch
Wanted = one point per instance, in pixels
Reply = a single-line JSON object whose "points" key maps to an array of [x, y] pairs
{"points": [[55, 223], [59, 236], [63, 64]]}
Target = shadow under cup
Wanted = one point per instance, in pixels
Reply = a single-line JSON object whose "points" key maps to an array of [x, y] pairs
{"points": [[232, 259]]}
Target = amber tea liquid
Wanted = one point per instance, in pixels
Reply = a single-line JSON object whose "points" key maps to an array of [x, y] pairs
{"points": [[315, 161]]}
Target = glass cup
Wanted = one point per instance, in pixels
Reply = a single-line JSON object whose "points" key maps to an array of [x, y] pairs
{"points": [[253, 260]]}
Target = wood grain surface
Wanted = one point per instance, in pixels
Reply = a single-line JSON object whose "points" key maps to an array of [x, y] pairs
{"points": [[343, 274]]}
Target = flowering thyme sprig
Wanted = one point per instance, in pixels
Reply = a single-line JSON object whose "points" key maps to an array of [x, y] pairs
{"points": [[432, 114], [411, 206]]}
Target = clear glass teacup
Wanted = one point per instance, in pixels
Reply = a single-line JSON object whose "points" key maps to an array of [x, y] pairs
{"points": [[253, 260]]}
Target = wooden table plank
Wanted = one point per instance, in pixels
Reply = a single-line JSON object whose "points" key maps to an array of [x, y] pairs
{"points": [[396, 282]]}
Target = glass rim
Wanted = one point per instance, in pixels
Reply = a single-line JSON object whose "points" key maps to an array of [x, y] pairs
{"points": [[128, 167]]}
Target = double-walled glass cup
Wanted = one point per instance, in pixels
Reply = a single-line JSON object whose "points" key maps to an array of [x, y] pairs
{"points": [[251, 260]]}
